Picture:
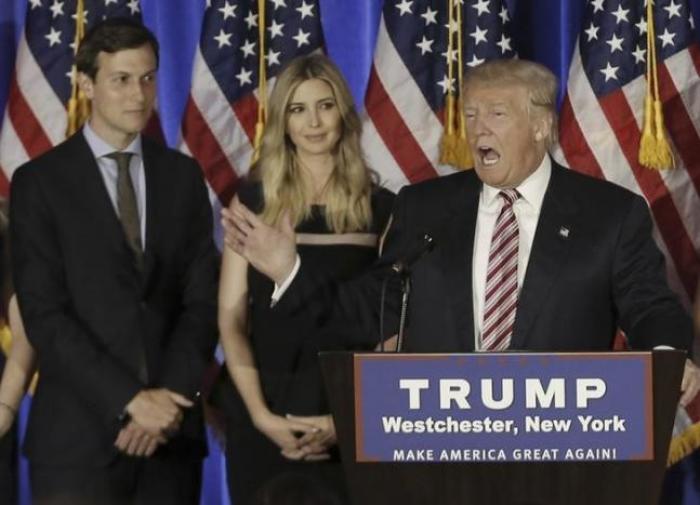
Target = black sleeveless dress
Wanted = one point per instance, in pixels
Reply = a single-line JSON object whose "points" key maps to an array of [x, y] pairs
{"points": [[286, 353]]}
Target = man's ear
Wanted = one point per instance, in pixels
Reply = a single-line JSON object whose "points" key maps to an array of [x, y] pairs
{"points": [[85, 84], [543, 127]]}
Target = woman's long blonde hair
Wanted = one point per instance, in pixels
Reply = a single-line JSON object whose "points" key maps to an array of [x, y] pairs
{"points": [[347, 194]]}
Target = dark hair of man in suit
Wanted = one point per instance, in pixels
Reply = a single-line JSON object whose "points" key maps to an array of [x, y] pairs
{"points": [[110, 36]]}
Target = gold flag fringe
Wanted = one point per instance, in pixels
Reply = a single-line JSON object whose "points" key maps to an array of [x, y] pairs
{"points": [[654, 148], [683, 444]]}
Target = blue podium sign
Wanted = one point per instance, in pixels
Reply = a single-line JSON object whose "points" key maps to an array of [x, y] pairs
{"points": [[503, 407]]}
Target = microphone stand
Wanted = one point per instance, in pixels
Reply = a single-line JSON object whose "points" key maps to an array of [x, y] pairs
{"points": [[405, 295], [402, 268]]}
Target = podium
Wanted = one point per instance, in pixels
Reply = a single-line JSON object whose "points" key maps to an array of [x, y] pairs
{"points": [[633, 482]]}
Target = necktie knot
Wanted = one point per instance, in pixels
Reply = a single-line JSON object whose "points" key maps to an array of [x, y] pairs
{"points": [[122, 159], [509, 196]]}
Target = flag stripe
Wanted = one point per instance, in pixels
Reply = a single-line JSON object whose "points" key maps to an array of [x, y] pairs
{"points": [[386, 167], [398, 82], [574, 143], [219, 125], [394, 132], [26, 125], [43, 101], [219, 172], [681, 127], [597, 152], [620, 117], [246, 110]]}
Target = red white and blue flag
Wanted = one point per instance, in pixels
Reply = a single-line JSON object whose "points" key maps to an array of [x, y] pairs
{"points": [[601, 121], [601, 118], [218, 127], [409, 81]]}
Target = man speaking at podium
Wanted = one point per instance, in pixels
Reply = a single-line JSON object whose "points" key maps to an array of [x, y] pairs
{"points": [[527, 254]]}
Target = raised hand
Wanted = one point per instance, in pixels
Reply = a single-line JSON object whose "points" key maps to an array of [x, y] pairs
{"points": [[271, 250]]}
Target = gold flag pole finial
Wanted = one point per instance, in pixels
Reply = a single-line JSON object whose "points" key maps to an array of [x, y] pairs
{"points": [[654, 148], [78, 104], [262, 84]]}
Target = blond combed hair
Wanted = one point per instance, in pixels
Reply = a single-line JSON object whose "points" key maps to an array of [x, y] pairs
{"points": [[539, 81], [348, 191]]}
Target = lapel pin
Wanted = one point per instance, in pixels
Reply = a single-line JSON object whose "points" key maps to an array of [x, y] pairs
{"points": [[564, 232]]}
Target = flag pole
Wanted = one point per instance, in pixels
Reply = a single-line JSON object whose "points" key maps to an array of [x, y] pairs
{"points": [[262, 84], [78, 104]]}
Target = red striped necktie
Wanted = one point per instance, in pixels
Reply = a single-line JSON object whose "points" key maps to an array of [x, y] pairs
{"points": [[501, 300]]}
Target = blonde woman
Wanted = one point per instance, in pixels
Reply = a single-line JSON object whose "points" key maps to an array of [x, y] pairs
{"points": [[311, 177]]}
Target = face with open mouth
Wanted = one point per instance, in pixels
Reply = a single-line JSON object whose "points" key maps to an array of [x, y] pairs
{"points": [[313, 119], [507, 143]]}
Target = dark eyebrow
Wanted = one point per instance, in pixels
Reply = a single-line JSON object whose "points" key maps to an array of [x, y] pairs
{"points": [[126, 72]]}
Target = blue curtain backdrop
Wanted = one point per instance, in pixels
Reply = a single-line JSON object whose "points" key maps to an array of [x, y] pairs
{"points": [[545, 31]]}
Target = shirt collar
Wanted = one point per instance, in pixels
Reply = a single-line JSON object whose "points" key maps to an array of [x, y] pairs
{"points": [[100, 148], [531, 190]]}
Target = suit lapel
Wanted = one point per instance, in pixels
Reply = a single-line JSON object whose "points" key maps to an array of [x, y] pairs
{"points": [[457, 253], [549, 253]]}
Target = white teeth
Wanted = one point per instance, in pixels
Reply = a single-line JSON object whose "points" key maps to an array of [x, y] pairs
{"points": [[489, 156]]}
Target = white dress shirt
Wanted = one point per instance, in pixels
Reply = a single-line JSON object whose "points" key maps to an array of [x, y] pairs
{"points": [[527, 213], [108, 169]]}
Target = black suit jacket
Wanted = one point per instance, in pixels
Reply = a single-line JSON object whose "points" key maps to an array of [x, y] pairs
{"points": [[89, 312], [593, 267]]}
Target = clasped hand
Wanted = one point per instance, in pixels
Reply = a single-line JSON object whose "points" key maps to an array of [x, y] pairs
{"points": [[155, 414], [307, 438]]}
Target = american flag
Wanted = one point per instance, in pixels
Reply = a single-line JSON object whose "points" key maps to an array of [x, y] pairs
{"points": [[35, 116], [601, 118], [218, 126], [409, 81]]}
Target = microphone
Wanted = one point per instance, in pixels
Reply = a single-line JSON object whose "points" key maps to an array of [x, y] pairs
{"points": [[422, 246]]}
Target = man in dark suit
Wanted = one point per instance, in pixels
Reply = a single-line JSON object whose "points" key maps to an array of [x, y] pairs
{"points": [[528, 255], [115, 271]]}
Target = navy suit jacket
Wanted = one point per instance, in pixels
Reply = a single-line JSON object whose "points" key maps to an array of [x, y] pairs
{"points": [[90, 313], [593, 267]]}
